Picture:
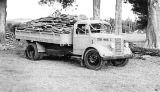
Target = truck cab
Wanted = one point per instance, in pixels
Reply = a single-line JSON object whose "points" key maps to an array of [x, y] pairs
{"points": [[95, 41]]}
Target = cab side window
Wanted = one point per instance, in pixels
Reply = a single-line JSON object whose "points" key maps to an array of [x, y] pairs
{"points": [[81, 29]]}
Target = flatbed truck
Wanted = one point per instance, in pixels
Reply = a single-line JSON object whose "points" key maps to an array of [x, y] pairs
{"points": [[90, 40]]}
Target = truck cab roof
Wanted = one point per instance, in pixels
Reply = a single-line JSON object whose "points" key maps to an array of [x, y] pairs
{"points": [[91, 21]]}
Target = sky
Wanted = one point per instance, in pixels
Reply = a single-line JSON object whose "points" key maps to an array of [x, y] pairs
{"points": [[30, 9]]}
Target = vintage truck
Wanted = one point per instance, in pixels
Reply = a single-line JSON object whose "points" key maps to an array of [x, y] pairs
{"points": [[90, 40]]}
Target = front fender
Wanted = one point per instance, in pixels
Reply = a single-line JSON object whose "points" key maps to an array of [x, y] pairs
{"points": [[127, 50], [103, 51]]}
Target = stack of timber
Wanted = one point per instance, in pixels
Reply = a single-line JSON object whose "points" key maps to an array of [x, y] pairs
{"points": [[62, 24]]}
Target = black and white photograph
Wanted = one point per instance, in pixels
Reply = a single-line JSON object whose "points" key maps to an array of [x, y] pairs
{"points": [[79, 45]]}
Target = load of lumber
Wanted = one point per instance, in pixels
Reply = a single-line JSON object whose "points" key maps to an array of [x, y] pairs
{"points": [[62, 24]]}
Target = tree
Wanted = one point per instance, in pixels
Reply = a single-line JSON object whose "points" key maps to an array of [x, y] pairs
{"points": [[140, 7], [96, 9], [152, 46], [3, 14], [149, 10], [64, 3], [153, 26], [118, 17], [67, 3]]}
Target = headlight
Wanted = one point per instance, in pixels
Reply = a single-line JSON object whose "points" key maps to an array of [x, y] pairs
{"points": [[113, 45], [126, 44]]}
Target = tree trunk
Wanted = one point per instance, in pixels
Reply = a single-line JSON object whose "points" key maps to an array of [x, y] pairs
{"points": [[118, 17], [3, 6], [96, 9], [152, 46], [153, 27], [158, 23]]}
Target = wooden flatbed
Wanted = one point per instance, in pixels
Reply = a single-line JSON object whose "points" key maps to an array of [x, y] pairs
{"points": [[48, 37]]}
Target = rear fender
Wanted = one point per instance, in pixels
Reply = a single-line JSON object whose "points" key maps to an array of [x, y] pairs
{"points": [[40, 47]]}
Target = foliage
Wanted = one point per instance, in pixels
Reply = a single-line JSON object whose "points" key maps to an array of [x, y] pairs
{"points": [[112, 22], [82, 17], [127, 25], [11, 27], [56, 13], [140, 7], [64, 3]]}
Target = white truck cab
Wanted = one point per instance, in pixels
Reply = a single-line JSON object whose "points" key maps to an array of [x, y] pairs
{"points": [[93, 37]]}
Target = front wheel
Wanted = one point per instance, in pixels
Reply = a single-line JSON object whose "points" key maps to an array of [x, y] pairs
{"points": [[92, 60], [120, 62]]}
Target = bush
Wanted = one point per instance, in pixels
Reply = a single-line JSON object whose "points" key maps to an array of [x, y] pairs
{"points": [[11, 27]]}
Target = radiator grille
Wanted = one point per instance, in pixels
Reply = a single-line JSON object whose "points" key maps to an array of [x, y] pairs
{"points": [[118, 46]]}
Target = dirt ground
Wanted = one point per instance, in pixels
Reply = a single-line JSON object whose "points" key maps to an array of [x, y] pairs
{"points": [[17, 74]]}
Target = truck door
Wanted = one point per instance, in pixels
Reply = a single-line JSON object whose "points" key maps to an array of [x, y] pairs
{"points": [[81, 38]]}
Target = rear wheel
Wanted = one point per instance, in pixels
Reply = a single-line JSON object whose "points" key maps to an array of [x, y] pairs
{"points": [[92, 60], [32, 52], [120, 62]]}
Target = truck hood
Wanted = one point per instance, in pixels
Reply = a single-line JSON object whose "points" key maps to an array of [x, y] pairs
{"points": [[103, 35]]}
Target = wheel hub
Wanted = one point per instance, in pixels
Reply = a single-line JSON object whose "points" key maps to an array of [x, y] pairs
{"points": [[31, 52], [93, 58]]}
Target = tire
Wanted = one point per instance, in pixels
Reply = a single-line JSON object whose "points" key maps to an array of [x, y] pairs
{"points": [[92, 60], [119, 62], [32, 52]]}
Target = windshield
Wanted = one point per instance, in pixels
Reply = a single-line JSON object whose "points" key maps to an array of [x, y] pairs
{"points": [[100, 28]]}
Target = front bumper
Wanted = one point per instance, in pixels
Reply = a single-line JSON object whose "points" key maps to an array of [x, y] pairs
{"points": [[117, 57]]}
